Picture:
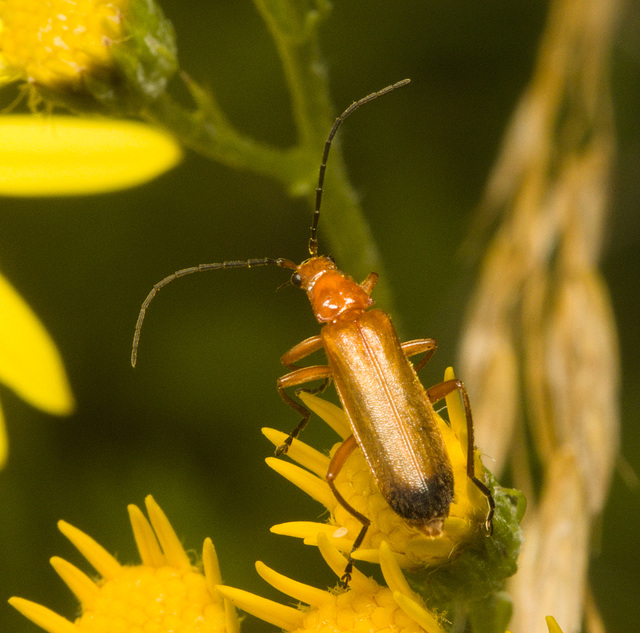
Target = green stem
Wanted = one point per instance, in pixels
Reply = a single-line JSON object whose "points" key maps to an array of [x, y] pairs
{"points": [[343, 223], [294, 32], [207, 131], [222, 143]]}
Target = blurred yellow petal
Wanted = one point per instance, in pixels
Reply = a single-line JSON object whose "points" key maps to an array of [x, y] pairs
{"points": [[4, 446], [29, 361], [554, 627], [65, 156]]}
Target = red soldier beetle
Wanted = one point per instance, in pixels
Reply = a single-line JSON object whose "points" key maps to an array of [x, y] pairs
{"points": [[391, 414]]}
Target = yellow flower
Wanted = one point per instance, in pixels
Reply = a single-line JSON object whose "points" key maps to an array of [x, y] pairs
{"points": [[52, 42], [87, 55], [366, 606], [166, 593], [415, 550], [29, 361]]}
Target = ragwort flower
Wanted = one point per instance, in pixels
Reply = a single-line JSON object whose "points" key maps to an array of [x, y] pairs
{"points": [[53, 43], [165, 593], [365, 607], [414, 549], [87, 54]]}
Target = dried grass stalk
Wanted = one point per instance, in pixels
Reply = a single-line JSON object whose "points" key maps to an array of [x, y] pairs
{"points": [[540, 344]]}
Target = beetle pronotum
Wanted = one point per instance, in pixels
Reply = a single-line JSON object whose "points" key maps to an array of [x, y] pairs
{"points": [[391, 414]]}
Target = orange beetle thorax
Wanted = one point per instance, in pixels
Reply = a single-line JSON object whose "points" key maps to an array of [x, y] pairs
{"points": [[333, 295]]}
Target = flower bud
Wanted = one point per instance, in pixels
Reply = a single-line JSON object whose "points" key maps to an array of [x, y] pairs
{"points": [[87, 55]]}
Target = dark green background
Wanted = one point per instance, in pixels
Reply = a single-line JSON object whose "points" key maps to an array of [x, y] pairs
{"points": [[185, 425]]}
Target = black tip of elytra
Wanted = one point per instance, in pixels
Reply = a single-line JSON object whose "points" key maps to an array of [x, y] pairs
{"points": [[426, 503]]}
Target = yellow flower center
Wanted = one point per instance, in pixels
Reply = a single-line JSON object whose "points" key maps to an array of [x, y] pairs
{"points": [[359, 613], [52, 42], [150, 599]]}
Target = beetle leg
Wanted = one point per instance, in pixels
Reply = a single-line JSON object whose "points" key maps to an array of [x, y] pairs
{"points": [[438, 392], [426, 346], [337, 462], [301, 350], [292, 379], [319, 389], [368, 284]]}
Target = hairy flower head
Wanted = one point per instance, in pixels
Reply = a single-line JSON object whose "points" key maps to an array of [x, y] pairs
{"points": [[365, 606], [56, 41], [87, 54], [165, 593]]}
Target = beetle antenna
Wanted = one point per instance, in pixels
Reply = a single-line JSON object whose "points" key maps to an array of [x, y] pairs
{"points": [[313, 240], [249, 263]]}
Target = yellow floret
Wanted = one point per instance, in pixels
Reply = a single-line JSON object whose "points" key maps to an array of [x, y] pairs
{"points": [[53, 42]]}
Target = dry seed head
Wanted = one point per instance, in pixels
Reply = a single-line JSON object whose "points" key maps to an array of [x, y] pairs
{"points": [[556, 552], [492, 375], [582, 197], [541, 291], [582, 374]]}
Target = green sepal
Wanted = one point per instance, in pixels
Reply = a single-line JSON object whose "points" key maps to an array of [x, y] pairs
{"points": [[470, 582], [148, 55], [490, 615]]}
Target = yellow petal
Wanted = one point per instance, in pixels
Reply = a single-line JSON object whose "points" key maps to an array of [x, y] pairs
{"points": [[315, 487], [297, 590], [308, 530], [211, 565], [66, 156], [392, 572], [167, 537], [43, 617], [310, 458], [82, 586], [146, 541], [418, 613], [552, 625], [103, 562], [4, 446], [279, 615], [29, 361], [334, 416]]}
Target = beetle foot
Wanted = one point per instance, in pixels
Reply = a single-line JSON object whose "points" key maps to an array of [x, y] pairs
{"points": [[345, 579], [282, 450], [284, 447]]}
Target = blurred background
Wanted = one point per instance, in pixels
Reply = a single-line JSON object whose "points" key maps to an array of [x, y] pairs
{"points": [[185, 424]]}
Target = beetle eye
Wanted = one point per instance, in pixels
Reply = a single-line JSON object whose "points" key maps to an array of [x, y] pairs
{"points": [[296, 280], [331, 258]]}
